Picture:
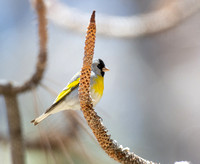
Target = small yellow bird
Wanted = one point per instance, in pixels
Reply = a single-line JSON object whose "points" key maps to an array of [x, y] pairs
{"points": [[69, 99]]}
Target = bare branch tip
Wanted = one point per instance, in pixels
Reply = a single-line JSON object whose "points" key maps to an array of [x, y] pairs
{"points": [[92, 19]]}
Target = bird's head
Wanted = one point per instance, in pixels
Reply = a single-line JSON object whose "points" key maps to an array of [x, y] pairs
{"points": [[99, 67]]}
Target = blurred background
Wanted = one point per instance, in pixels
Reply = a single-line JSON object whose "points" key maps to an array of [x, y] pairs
{"points": [[151, 97]]}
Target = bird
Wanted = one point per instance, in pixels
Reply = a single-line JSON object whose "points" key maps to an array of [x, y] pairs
{"points": [[68, 99]]}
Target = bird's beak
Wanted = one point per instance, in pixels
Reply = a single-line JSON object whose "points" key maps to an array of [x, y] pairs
{"points": [[105, 69]]}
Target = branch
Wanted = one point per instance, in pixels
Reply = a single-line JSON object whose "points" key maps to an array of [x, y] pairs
{"points": [[42, 56], [10, 92], [109, 145], [15, 130], [164, 18]]}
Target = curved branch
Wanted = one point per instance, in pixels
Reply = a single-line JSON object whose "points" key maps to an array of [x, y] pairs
{"points": [[116, 26], [42, 56], [109, 145]]}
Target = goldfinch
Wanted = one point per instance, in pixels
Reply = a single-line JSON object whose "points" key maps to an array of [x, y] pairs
{"points": [[69, 99]]}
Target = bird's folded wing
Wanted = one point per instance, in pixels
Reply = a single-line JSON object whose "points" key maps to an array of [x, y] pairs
{"points": [[67, 90]]}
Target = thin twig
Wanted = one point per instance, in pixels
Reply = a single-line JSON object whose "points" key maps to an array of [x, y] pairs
{"points": [[63, 147], [82, 124]]}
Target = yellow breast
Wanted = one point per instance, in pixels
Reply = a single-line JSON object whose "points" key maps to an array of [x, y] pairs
{"points": [[98, 85]]}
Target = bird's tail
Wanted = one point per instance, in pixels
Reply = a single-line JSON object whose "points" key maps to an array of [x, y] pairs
{"points": [[40, 118]]}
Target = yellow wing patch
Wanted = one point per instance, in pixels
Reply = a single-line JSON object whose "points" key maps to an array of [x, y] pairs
{"points": [[67, 90]]}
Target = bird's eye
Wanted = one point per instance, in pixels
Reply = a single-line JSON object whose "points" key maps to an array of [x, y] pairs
{"points": [[99, 66]]}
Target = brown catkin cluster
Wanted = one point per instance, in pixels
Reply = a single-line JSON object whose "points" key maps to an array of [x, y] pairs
{"points": [[110, 146], [84, 85]]}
